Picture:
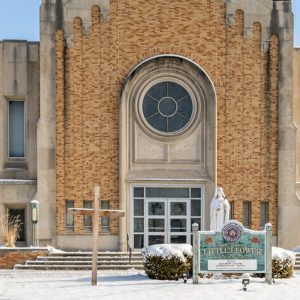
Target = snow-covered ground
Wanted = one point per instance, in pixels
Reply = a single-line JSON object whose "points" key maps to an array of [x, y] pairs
{"points": [[132, 285]]}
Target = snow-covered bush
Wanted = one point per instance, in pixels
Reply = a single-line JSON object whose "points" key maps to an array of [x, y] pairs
{"points": [[168, 261], [283, 262]]}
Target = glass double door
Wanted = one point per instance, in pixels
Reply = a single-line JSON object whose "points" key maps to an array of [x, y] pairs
{"points": [[167, 221]]}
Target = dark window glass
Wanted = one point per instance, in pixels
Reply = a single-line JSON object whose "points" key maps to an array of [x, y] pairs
{"points": [[195, 208], [156, 239], [16, 128], [247, 214], [138, 241], [138, 224], [167, 192], [69, 216], [138, 192], [105, 220], [167, 106], [196, 193], [87, 220], [156, 208], [178, 209], [156, 225], [139, 207], [178, 239], [231, 214], [18, 214], [264, 213], [178, 225]]}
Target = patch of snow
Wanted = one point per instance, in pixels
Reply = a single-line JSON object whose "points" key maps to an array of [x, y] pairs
{"points": [[297, 249], [54, 250], [133, 285], [167, 250], [283, 254]]}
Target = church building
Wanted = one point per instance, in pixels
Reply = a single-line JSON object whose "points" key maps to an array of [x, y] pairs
{"points": [[159, 102]]}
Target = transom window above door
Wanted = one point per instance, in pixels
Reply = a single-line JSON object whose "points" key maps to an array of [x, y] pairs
{"points": [[167, 107]]}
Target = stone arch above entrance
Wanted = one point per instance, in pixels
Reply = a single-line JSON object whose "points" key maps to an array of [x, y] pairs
{"points": [[167, 132]]}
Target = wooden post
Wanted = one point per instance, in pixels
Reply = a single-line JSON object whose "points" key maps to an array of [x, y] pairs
{"points": [[196, 262], [95, 234]]}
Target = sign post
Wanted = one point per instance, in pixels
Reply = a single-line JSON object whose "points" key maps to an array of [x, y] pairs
{"points": [[96, 213], [195, 228], [232, 249], [268, 229]]}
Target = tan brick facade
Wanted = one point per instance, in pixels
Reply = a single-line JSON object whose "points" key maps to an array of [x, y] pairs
{"points": [[89, 78], [10, 257]]}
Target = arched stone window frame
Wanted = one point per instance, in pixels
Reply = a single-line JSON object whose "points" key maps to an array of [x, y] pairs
{"points": [[162, 67]]}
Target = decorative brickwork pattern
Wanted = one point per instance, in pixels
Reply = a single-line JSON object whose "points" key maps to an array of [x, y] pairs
{"points": [[89, 78]]}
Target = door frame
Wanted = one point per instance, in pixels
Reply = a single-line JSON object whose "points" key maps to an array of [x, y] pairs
{"points": [[12, 207], [130, 206]]}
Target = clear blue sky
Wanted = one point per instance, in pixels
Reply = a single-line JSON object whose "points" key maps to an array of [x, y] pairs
{"points": [[19, 19]]}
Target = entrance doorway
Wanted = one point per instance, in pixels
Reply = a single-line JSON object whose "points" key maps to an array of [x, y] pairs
{"points": [[20, 214], [167, 221], [165, 215]]}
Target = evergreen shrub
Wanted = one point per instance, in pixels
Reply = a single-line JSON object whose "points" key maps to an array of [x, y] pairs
{"points": [[283, 267], [283, 262], [171, 265]]}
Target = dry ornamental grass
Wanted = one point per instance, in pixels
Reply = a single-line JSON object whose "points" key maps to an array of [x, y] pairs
{"points": [[9, 230]]}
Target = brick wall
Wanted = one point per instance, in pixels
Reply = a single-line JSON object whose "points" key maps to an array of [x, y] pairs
{"points": [[10, 257], [89, 78]]}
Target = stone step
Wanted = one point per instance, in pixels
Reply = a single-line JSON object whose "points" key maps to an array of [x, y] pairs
{"points": [[74, 267], [83, 261], [100, 254], [87, 258], [100, 263]]}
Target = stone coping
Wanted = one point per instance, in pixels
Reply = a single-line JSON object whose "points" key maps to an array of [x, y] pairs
{"points": [[18, 182], [23, 249]]}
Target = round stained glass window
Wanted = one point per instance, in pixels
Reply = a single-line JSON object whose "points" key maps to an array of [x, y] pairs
{"points": [[167, 107]]}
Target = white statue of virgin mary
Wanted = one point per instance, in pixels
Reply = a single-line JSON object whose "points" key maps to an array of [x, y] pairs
{"points": [[219, 210]]}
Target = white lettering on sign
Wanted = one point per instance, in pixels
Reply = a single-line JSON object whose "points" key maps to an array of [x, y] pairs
{"points": [[232, 265]]}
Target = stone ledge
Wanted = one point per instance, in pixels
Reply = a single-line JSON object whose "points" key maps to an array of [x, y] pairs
{"points": [[25, 249], [17, 182]]}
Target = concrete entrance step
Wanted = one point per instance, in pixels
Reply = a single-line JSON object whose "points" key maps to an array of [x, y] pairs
{"points": [[74, 267], [100, 254], [79, 262], [297, 264], [83, 261], [87, 258]]}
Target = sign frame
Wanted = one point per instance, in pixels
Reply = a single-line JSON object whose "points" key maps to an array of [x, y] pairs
{"points": [[233, 255]]}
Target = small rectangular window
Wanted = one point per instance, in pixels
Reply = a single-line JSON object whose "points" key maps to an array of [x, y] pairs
{"points": [[167, 192], [196, 193], [69, 216], [105, 220], [138, 207], [231, 214], [247, 214], [264, 213], [16, 129], [87, 220], [139, 192]]}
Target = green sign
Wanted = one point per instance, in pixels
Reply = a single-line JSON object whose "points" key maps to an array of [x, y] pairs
{"points": [[232, 249]]}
